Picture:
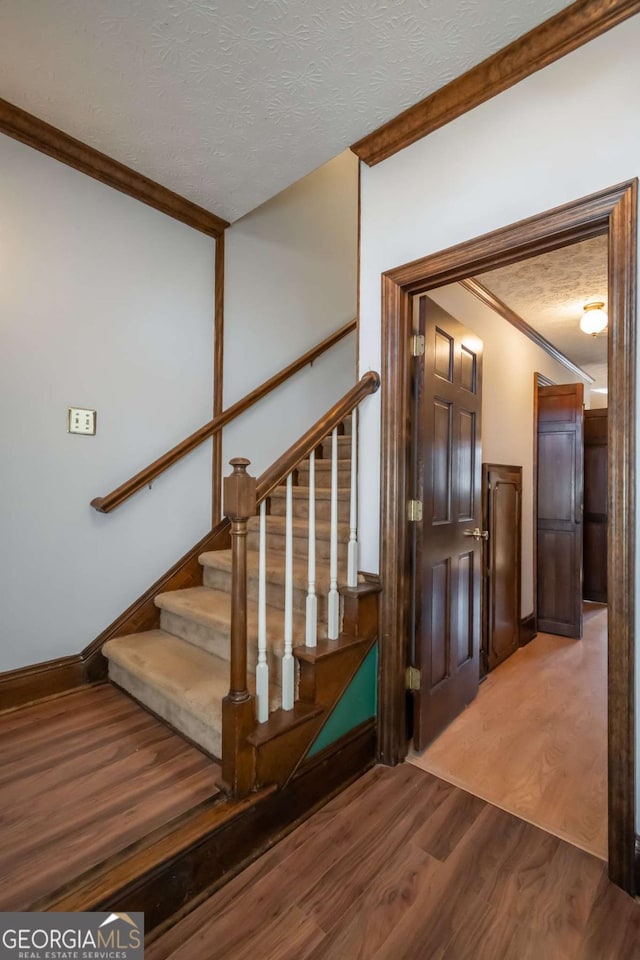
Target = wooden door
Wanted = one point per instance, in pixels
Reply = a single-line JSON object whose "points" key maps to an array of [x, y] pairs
{"points": [[448, 574], [502, 517], [594, 553], [559, 522]]}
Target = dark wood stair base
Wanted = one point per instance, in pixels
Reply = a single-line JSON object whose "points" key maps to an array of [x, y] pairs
{"points": [[170, 871]]}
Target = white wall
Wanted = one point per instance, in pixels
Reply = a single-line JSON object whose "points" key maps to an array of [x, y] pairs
{"points": [[570, 130], [508, 364], [290, 281], [107, 304]]}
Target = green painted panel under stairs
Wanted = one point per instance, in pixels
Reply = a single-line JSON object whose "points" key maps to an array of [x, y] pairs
{"points": [[357, 704], [403, 866], [181, 671], [83, 777]]}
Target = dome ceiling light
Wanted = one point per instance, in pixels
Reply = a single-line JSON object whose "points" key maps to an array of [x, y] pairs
{"points": [[594, 318]]}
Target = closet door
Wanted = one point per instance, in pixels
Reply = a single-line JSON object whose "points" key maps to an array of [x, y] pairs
{"points": [[595, 506], [502, 502], [560, 486]]}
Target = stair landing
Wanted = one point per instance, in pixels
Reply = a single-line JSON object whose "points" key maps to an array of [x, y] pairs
{"points": [[82, 778]]}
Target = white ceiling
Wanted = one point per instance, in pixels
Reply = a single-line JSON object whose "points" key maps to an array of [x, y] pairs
{"points": [[550, 291], [229, 101]]}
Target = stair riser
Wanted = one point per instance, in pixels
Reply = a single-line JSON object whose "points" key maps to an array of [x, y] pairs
{"points": [[344, 449], [323, 474], [301, 509], [209, 738], [216, 641], [276, 541], [212, 639], [221, 580]]}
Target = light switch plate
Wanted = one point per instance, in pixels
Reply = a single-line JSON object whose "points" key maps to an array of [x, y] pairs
{"points": [[82, 421]]}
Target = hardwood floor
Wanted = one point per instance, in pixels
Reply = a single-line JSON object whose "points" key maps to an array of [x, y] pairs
{"points": [[81, 778], [534, 742], [404, 865]]}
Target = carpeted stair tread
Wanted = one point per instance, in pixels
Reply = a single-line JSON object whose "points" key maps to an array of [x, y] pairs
{"points": [[300, 528], [302, 492], [275, 567], [179, 682], [324, 463], [184, 674], [212, 608]]}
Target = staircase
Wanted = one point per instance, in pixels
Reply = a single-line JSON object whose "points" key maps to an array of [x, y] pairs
{"points": [[181, 670]]}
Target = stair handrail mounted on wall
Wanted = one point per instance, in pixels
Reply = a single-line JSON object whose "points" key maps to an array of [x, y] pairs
{"points": [[144, 477]]}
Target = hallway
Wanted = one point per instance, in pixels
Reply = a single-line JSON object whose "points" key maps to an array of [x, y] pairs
{"points": [[534, 742]]}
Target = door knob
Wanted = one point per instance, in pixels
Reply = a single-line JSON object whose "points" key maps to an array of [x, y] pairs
{"points": [[477, 534]]}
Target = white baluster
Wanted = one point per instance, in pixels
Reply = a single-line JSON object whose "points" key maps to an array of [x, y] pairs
{"points": [[262, 670], [312, 600], [287, 659], [352, 555], [333, 600]]}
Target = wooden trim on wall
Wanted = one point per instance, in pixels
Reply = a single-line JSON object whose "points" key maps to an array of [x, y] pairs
{"points": [[561, 34], [23, 126], [39, 681], [613, 211], [218, 381], [489, 298], [622, 301], [358, 270]]}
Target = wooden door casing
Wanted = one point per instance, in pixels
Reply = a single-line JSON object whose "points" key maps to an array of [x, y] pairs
{"points": [[594, 553], [447, 561], [611, 211], [560, 507], [502, 518]]}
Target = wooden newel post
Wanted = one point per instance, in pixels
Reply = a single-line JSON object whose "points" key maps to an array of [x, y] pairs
{"points": [[238, 707]]}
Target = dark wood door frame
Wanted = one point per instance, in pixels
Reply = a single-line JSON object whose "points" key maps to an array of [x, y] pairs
{"points": [[612, 212], [511, 474], [539, 380]]}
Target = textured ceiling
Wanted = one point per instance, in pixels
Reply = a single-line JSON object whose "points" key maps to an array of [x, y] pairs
{"points": [[550, 291], [229, 101]]}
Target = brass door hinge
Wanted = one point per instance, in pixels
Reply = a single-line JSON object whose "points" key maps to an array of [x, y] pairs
{"points": [[414, 510], [417, 345], [413, 678]]}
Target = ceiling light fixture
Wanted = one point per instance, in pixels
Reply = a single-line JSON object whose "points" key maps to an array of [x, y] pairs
{"points": [[594, 319]]}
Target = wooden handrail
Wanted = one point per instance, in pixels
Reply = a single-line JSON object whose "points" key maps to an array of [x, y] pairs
{"points": [[142, 479], [242, 494], [279, 471]]}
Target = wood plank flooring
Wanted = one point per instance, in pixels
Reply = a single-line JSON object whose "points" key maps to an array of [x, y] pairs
{"points": [[404, 865], [534, 741], [81, 778]]}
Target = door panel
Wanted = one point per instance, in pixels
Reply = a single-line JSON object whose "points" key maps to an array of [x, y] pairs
{"points": [[559, 521], [466, 573], [448, 572], [557, 458], [595, 506], [502, 499]]}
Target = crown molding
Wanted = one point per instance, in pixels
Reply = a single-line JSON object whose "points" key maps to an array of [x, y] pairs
{"points": [[483, 293], [23, 126], [569, 29]]}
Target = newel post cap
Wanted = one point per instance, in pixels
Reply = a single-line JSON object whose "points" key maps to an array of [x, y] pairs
{"points": [[239, 491]]}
